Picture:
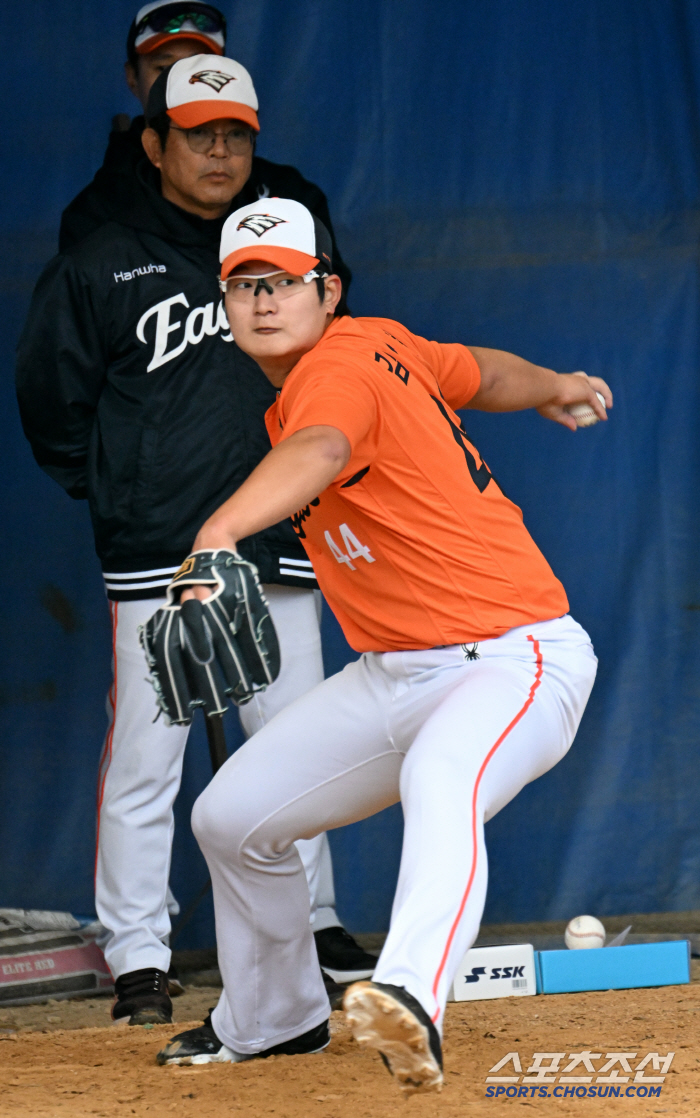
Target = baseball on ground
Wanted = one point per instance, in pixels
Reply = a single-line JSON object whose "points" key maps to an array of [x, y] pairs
{"points": [[583, 413], [584, 931]]}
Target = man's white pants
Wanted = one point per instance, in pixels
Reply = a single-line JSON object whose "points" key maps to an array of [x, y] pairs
{"points": [[453, 738], [140, 776]]}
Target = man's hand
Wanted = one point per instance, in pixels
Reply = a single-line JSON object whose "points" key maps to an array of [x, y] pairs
{"points": [[510, 383], [200, 592], [576, 388]]}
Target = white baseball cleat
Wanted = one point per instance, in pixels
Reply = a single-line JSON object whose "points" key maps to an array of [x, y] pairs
{"points": [[390, 1019]]}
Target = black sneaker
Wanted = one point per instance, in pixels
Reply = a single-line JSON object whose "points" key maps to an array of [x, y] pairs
{"points": [[202, 1046], [390, 1019], [142, 998], [175, 987], [335, 992], [342, 957]]}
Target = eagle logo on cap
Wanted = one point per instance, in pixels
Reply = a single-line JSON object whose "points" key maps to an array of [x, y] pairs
{"points": [[260, 223], [213, 78]]}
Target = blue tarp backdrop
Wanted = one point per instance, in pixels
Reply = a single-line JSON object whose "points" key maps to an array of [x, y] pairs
{"points": [[512, 173]]}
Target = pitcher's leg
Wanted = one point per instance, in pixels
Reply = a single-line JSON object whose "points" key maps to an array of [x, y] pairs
{"points": [[316, 857], [139, 779], [508, 723], [311, 852], [322, 762], [296, 616]]}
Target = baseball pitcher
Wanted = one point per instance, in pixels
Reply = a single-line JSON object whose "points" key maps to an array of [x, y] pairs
{"points": [[472, 678]]}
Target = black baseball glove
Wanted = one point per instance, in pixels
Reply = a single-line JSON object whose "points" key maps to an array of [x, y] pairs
{"points": [[200, 652]]}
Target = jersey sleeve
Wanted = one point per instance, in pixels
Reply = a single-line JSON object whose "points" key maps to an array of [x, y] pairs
{"points": [[60, 374], [455, 368], [342, 398]]}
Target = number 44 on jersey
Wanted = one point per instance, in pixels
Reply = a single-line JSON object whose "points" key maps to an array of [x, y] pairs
{"points": [[355, 549]]}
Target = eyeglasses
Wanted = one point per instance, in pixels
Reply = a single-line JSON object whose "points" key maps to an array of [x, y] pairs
{"points": [[238, 139], [171, 17], [244, 289]]}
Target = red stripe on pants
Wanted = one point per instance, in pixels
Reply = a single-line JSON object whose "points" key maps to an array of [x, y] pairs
{"points": [[526, 705]]}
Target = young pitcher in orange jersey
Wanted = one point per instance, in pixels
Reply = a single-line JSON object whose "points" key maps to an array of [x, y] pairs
{"points": [[472, 680]]}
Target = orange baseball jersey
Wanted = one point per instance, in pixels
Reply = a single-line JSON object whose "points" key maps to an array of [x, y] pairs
{"points": [[414, 545]]}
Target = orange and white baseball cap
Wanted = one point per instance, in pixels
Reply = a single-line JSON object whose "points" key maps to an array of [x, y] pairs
{"points": [[198, 89], [164, 20], [277, 231]]}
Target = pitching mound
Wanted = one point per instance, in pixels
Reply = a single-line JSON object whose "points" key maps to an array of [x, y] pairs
{"points": [[110, 1071]]}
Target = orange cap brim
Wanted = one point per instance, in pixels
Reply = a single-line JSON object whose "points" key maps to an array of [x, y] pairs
{"points": [[156, 41], [290, 259], [195, 113]]}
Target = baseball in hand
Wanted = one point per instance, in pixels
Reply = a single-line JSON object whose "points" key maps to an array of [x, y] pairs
{"points": [[584, 931], [583, 413]]}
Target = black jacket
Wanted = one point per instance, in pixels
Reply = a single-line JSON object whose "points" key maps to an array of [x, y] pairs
{"points": [[134, 395], [112, 189]]}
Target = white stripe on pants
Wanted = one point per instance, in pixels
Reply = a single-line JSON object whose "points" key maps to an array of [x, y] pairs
{"points": [[453, 739], [140, 776]]}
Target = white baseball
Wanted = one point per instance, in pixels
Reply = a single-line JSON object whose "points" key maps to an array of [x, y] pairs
{"points": [[584, 931], [583, 413]]}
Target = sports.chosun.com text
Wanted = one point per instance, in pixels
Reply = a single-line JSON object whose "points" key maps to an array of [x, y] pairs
{"points": [[562, 1092], [596, 1075]]}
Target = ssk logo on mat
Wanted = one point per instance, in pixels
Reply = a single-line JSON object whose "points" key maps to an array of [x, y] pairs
{"points": [[213, 78], [260, 223]]}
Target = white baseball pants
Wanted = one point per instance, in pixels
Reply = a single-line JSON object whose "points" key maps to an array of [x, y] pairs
{"points": [[140, 775], [455, 739]]}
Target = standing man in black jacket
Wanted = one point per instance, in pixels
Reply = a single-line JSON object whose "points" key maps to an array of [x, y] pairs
{"points": [[134, 395], [162, 33]]}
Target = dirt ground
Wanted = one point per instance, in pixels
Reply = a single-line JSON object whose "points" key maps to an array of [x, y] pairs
{"points": [[106, 1071], [65, 1059]]}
